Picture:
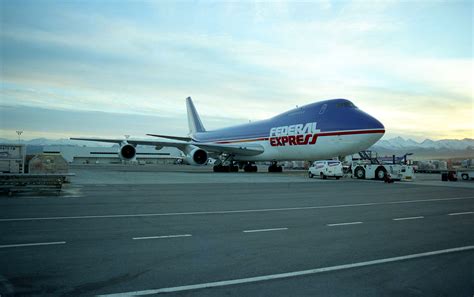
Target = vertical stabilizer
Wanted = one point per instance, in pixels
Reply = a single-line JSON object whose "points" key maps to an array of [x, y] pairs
{"points": [[194, 122]]}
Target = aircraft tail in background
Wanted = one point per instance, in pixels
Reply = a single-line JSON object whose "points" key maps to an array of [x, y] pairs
{"points": [[194, 121]]}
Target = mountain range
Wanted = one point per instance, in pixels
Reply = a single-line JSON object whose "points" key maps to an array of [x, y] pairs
{"points": [[402, 143], [427, 149], [49, 142]]}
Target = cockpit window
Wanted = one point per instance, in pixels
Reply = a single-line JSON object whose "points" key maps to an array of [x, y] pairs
{"points": [[345, 105]]}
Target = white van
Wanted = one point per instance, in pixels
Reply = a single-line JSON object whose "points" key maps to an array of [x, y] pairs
{"points": [[326, 168]]}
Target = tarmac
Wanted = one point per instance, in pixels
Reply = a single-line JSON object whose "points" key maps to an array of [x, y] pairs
{"points": [[183, 231]]}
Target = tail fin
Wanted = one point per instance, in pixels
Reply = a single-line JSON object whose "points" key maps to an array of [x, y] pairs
{"points": [[194, 122]]}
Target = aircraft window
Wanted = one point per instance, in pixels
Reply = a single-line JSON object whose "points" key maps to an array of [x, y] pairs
{"points": [[323, 109], [346, 105], [298, 112]]}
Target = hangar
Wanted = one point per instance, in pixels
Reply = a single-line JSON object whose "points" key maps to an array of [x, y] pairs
{"points": [[109, 155]]}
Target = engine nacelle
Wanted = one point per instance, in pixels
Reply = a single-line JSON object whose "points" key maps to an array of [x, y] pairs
{"points": [[127, 152], [196, 156]]}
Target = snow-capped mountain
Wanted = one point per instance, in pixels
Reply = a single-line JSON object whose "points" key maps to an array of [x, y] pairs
{"points": [[449, 144]]}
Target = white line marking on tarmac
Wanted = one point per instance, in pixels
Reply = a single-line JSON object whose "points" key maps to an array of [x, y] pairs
{"points": [[461, 213], [163, 236], [409, 218], [264, 230], [31, 244], [343, 224], [231, 211], [290, 274]]}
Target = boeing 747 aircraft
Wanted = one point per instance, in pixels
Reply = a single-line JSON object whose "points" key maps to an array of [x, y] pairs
{"points": [[315, 131]]}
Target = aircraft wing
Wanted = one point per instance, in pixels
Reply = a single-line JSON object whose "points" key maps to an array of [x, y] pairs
{"points": [[171, 137], [242, 150]]}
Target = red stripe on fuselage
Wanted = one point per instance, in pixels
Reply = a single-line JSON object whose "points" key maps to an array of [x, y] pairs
{"points": [[318, 134], [351, 132]]}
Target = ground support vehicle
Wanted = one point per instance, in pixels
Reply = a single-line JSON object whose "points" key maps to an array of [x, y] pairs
{"points": [[466, 173], [380, 171], [16, 183], [368, 166], [326, 168]]}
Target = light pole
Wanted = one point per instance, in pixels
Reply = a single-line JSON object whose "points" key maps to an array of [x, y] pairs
{"points": [[19, 132]]}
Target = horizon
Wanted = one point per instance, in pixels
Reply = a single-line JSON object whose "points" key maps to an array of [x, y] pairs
{"points": [[22, 139], [72, 69]]}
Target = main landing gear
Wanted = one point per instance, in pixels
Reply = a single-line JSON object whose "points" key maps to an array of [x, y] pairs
{"points": [[231, 167], [226, 168], [226, 164], [275, 168], [250, 167]]}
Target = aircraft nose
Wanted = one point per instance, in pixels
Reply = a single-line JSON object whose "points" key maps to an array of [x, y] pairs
{"points": [[367, 122], [375, 124], [374, 129]]}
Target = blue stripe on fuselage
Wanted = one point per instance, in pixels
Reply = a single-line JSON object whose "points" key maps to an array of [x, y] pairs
{"points": [[338, 115]]}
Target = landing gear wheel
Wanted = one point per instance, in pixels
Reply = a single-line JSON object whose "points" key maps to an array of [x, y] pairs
{"points": [[221, 168], [275, 168], [360, 173], [250, 168], [271, 168], [380, 173]]}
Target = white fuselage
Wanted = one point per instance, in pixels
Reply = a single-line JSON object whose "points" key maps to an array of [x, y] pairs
{"points": [[326, 146]]}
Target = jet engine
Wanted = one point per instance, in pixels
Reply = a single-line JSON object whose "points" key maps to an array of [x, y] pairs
{"points": [[127, 152], [196, 156]]}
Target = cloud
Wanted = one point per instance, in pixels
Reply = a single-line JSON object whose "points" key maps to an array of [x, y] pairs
{"points": [[283, 57], [56, 123]]}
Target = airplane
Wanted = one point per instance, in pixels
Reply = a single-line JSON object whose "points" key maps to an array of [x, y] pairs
{"points": [[316, 131]]}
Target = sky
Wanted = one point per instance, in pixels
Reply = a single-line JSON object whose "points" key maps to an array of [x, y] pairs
{"points": [[113, 68]]}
